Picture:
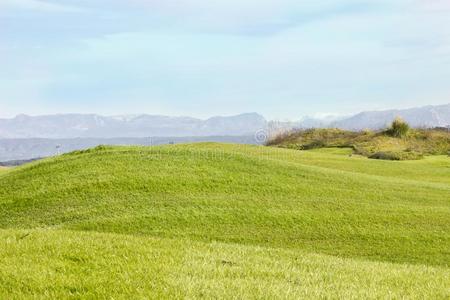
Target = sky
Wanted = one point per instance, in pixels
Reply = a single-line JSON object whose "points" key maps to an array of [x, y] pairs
{"points": [[281, 58]]}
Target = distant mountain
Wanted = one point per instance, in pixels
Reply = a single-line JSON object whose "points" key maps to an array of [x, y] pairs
{"points": [[322, 122], [95, 126], [25, 137], [428, 116]]}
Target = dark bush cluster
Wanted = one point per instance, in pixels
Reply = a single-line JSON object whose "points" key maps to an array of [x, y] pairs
{"points": [[399, 128], [396, 155]]}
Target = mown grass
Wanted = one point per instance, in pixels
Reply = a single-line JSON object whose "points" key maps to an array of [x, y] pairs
{"points": [[62, 264], [252, 221]]}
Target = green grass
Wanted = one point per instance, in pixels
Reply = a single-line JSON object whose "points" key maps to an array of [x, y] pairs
{"points": [[219, 220], [59, 264]]}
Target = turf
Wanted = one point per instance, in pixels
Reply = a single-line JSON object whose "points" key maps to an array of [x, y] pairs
{"points": [[219, 220], [59, 264]]}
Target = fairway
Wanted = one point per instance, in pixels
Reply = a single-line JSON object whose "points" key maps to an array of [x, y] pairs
{"points": [[225, 221]]}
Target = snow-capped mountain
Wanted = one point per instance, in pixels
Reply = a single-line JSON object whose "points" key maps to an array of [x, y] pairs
{"points": [[96, 126], [427, 116]]}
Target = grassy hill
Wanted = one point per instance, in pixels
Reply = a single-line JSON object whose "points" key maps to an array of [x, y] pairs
{"points": [[215, 220], [373, 144]]}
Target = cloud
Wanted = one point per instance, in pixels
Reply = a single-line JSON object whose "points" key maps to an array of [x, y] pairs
{"points": [[248, 7], [274, 56], [441, 6], [250, 16], [38, 5]]}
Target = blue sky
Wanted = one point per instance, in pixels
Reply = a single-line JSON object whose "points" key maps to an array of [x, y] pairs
{"points": [[281, 58]]}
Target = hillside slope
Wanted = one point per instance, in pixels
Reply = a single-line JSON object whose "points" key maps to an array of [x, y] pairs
{"points": [[414, 145], [217, 220]]}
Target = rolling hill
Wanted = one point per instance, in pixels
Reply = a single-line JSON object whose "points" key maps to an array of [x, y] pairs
{"points": [[415, 143], [26, 149], [224, 221]]}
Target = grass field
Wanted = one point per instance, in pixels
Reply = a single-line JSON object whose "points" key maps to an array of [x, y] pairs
{"points": [[231, 221]]}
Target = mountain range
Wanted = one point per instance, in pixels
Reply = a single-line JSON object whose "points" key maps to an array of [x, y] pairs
{"points": [[27, 137], [427, 117], [67, 126], [96, 126]]}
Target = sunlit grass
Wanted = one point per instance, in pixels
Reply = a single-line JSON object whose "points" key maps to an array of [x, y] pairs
{"points": [[225, 220], [57, 264]]}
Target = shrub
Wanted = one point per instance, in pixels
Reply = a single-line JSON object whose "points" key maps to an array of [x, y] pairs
{"points": [[102, 148], [313, 145], [392, 155], [416, 142], [99, 148], [280, 137], [399, 128]]}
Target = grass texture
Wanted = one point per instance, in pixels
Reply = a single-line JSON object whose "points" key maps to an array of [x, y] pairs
{"points": [[225, 221]]}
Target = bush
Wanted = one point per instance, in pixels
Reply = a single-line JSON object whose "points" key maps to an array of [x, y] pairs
{"points": [[313, 145], [399, 128], [414, 142], [99, 148], [391, 155], [279, 137]]}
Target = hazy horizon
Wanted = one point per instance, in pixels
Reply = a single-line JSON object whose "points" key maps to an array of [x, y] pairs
{"points": [[314, 116]]}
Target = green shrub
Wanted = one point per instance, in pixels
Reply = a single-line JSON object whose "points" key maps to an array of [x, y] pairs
{"points": [[393, 155], [398, 138], [399, 128], [99, 148], [313, 145]]}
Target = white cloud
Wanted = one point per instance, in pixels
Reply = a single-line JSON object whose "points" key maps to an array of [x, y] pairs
{"points": [[435, 5], [180, 54], [38, 5], [249, 16]]}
